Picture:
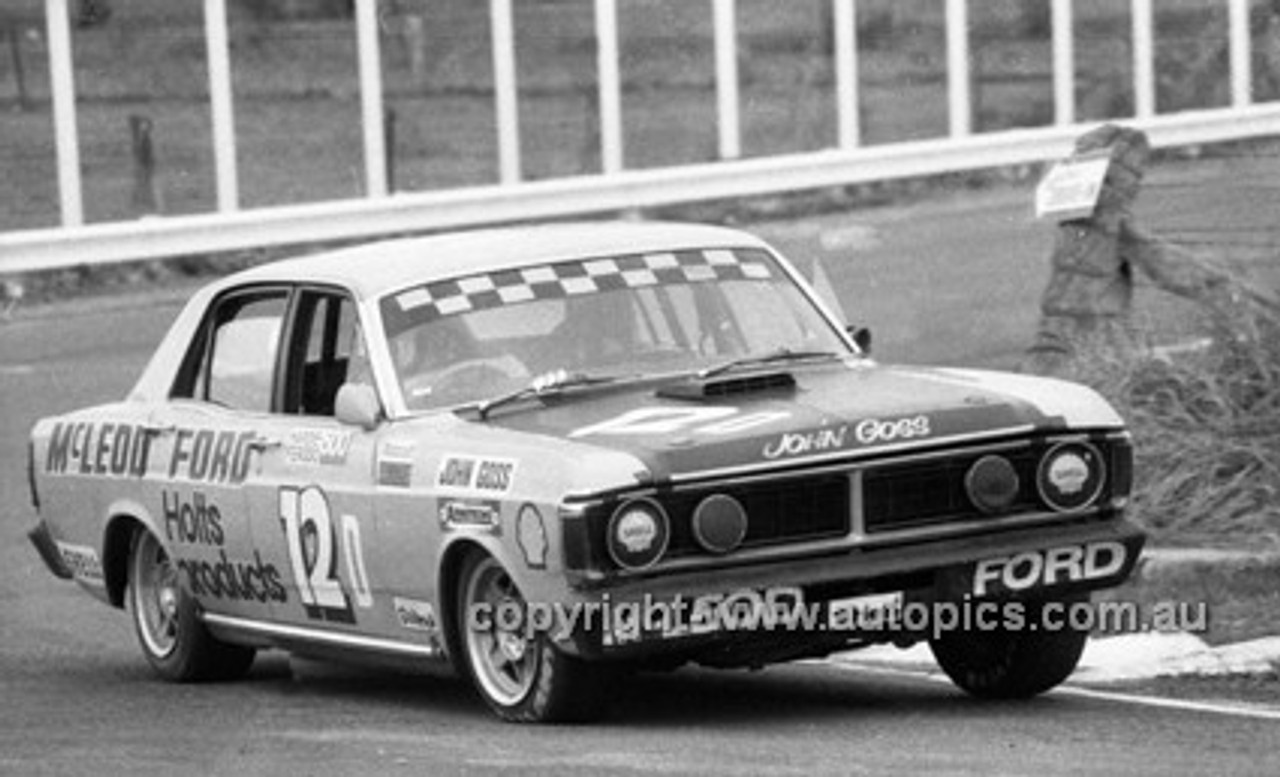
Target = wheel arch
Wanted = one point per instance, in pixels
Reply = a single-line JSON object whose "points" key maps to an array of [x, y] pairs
{"points": [[123, 521], [451, 562]]}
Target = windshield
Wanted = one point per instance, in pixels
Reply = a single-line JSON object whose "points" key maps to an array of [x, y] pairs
{"points": [[473, 338]]}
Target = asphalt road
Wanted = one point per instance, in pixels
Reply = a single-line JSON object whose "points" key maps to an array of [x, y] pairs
{"points": [[77, 698]]}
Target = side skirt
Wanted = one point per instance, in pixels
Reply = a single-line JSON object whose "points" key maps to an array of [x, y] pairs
{"points": [[316, 641]]}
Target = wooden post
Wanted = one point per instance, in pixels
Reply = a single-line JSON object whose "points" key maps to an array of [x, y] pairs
{"points": [[145, 191], [14, 34], [389, 119]]}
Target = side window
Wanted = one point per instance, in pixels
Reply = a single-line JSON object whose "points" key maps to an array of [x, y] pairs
{"points": [[234, 363], [327, 351]]}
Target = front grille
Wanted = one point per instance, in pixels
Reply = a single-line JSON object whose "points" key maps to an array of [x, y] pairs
{"points": [[915, 494], [795, 510]]}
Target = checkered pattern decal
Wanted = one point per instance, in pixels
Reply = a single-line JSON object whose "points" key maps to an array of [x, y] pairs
{"points": [[567, 279]]}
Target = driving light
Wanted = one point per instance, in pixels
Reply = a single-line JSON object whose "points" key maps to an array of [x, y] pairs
{"points": [[1070, 476], [719, 524], [992, 484]]}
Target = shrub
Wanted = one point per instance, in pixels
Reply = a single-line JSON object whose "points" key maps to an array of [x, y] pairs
{"points": [[1206, 428]]}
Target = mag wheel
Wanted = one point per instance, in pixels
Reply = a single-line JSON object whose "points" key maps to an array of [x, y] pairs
{"points": [[1012, 663], [175, 642], [523, 677]]}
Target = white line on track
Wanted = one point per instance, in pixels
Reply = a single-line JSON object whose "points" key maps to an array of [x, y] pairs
{"points": [[16, 369], [1241, 710]]}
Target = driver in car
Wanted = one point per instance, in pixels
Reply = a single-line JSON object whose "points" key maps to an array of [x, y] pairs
{"points": [[440, 362]]}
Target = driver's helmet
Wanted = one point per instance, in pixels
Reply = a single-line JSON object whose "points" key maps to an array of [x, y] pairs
{"points": [[432, 346]]}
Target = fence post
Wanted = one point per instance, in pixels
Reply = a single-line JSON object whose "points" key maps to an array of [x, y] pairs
{"points": [[725, 23], [1064, 63], [370, 58], [609, 108], [504, 88], [221, 105], [66, 134], [145, 191], [845, 30], [959, 76]]}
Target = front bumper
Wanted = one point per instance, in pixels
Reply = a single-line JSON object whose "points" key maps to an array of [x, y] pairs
{"points": [[959, 569], [48, 551]]}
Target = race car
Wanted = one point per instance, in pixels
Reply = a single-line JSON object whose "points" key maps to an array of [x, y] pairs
{"points": [[544, 456]]}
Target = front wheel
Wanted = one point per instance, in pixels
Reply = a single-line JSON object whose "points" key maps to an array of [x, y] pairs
{"points": [[165, 617], [523, 677], [1009, 663]]}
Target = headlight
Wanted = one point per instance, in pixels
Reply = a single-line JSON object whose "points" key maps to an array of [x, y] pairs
{"points": [[719, 524], [638, 534], [1071, 476], [992, 484]]}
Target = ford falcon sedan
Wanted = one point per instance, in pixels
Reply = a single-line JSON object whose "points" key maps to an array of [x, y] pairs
{"points": [[544, 456]]}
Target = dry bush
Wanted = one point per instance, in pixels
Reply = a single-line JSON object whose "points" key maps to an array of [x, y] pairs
{"points": [[1206, 428]]}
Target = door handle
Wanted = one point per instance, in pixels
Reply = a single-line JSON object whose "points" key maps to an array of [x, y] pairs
{"points": [[262, 444]]}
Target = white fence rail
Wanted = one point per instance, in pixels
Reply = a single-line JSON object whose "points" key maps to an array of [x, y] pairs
{"points": [[614, 188]]}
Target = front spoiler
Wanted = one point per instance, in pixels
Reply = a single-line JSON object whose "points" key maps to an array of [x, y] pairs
{"points": [[48, 551], [945, 568]]}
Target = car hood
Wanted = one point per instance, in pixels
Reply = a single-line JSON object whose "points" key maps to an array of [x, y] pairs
{"points": [[833, 411]]}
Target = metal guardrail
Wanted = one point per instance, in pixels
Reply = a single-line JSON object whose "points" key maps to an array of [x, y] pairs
{"points": [[615, 189], [400, 213]]}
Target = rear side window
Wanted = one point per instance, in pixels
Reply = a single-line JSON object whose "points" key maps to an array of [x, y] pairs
{"points": [[327, 351], [233, 363]]}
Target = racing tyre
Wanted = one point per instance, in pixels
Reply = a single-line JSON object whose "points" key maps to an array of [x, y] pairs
{"points": [[166, 619], [1011, 663], [523, 678]]}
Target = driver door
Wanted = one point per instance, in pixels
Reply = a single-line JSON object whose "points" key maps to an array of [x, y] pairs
{"points": [[311, 497]]}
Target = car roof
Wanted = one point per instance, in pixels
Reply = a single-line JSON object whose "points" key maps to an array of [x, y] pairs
{"points": [[373, 269]]}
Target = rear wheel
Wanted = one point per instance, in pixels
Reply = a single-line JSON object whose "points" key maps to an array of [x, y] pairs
{"points": [[166, 620], [522, 677], [1011, 663]]}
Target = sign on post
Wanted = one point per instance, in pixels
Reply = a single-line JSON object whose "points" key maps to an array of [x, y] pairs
{"points": [[1071, 188]]}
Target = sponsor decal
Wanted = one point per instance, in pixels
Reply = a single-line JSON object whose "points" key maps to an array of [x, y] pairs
{"points": [[83, 562], [325, 447], [637, 532], [416, 615], [399, 449], [211, 456], [1056, 566], [742, 610], [194, 521], [867, 432], [120, 450], [475, 475], [873, 430], [1068, 473], [463, 513], [312, 539], [800, 443], [395, 472], [124, 450], [531, 534]]}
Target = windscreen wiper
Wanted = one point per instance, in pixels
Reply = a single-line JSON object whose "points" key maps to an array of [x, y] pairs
{"points": [[548, 383], [773, 357]]}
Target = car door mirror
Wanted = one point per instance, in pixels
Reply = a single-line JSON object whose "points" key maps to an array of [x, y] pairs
{"points": [[861, 337], [357, 404]]}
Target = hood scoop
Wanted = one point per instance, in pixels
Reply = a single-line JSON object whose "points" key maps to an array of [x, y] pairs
{"points": [[737, 385]]}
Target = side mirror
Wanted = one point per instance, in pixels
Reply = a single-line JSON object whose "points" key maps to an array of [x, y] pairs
{"points": [[357, 404], [861, 337]]}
